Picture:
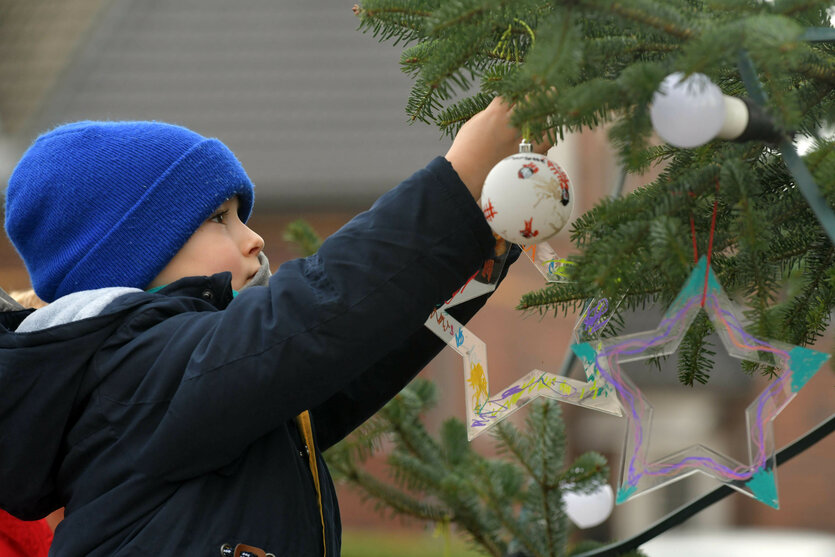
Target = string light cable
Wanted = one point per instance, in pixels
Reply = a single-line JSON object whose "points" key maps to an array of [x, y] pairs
{"points": [[686, 511]]}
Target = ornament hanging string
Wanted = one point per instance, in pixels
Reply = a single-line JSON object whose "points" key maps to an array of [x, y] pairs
{"points": [[710, 240]]}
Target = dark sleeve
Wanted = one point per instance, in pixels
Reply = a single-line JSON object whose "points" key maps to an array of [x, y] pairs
{"points": [[363, 397], [321, 322]]}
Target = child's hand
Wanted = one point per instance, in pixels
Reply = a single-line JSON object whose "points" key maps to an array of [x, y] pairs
{"points": [[483, 141]]}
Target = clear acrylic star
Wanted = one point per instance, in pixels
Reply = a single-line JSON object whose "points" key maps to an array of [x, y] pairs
{"points": [[794, 365], [485, 410]]}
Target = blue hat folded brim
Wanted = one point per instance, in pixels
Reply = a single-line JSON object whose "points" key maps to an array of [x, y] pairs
{"points": [[163, 220]]}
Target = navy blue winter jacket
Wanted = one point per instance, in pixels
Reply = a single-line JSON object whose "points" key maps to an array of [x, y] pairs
{"points": [[165, 423]]}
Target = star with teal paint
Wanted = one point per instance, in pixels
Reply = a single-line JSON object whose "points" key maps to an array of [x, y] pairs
{"points": [[795, 366]]}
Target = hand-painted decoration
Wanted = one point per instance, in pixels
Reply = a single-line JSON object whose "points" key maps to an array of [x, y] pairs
{"points": [[794, 366], [551, 266], [484, 410], [527, 197]]}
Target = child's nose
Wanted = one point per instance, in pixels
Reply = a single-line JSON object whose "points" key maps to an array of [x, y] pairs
{"points": [[254, 243]]}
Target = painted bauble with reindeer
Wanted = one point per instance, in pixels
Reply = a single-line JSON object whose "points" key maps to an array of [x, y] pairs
{"points": [[527, 198]]}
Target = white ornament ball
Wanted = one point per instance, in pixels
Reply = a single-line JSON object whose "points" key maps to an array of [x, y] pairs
{"points": [[527, 198], [687, 112], [589, 509]]}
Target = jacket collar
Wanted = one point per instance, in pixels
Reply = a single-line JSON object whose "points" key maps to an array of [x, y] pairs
{"points": [[216, 289]]}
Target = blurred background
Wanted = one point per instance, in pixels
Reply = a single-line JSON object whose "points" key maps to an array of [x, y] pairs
{"points": [[315, 111]]}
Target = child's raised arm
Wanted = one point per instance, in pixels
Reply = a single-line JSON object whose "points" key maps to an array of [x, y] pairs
{"points": [[226, 378], [324, 321], [482, 142]]}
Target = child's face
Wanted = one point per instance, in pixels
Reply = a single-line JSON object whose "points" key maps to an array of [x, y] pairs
{"points": [[222, 243]]}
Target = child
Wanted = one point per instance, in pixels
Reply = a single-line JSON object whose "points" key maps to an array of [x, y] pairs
{"points": [[166, 416], [19, 538]]}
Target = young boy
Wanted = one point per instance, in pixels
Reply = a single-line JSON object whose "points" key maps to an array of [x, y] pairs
{"points": [[166, 416]]}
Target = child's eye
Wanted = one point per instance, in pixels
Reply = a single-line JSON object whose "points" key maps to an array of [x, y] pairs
{"points": [[219, 217]]}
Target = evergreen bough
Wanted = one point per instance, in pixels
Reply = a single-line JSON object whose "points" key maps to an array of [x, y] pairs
{"points": [[502, 505], [569, 65], [576, 64]]}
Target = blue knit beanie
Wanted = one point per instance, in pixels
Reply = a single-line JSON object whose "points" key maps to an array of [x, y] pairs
{"points": [[97, 204]]}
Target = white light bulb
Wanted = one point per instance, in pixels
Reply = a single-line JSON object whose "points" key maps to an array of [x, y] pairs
{"points": [[589, 509], [687, 112]]}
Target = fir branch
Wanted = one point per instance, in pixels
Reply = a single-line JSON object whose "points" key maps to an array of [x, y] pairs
{"points": [[588, 472], [455, 13], [665, 239], [375, 11], [652, 14], [820, 70], [392, 498], [547, 432], [510, 441], [423, 101], [586, 105], [753, 234], [555, 58], [479, 495], [403, 21], [694, 363], [807, 316], [495, 76], [300, 233], [608, 56], [455, 447], [452, 118], [795, 7], [402, 417], [497, 501], [470, 514], [413, 58], [553, 296], [415, 473]]}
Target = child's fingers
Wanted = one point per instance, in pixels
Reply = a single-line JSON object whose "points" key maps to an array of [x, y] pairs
{"points": [[539, 145], [483, 141], [501, 111]]}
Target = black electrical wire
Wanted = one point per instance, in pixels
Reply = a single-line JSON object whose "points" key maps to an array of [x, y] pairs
{"points": [[683, 513]]}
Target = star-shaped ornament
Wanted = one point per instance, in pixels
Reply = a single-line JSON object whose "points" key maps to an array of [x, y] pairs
{"points": [[794, 365], [485, 410]]}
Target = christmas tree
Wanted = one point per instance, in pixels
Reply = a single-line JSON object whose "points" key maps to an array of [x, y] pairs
{"points": [[571, 65], [578, 64], [512, 505]]}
